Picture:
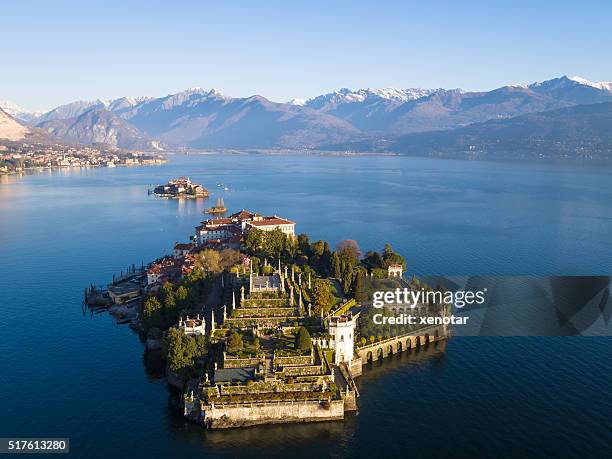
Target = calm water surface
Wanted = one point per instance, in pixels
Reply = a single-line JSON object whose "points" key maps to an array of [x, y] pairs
{"points": [[65, 373]]}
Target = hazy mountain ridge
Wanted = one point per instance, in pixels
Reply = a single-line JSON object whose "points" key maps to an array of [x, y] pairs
{"points": [[581, 131], [97, 126], [199, 118]]}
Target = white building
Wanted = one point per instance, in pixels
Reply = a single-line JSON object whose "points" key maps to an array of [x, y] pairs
{"points": [[195, 326], [270, 224], [215, 229], [395, 271], [342, 331], [180, 250]]}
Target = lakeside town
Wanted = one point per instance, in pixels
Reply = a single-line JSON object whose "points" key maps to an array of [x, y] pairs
{"points": [[18, 157], [259, 325]]}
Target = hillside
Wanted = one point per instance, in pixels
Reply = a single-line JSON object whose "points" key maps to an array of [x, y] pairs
{"points": [[97, 126], [582, 131]]}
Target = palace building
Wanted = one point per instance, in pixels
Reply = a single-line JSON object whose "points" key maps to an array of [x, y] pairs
{"points": [[238, 224]]}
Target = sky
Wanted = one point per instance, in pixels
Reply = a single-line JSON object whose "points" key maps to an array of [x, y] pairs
{"points": [[57, 52]]}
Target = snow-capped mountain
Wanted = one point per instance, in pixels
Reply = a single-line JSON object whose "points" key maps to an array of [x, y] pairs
{"points": [[202, 118], [97, 126], [17, 112], [70, 110], [603, 85], [575, 90], [11, 129], [332, 100], [297, 101]]}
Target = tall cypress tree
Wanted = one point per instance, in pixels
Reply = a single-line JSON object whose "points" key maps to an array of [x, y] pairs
{"points": [[359, 288]]}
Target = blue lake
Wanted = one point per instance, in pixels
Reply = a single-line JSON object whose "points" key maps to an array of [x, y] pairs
{"points": [[69, 373]]}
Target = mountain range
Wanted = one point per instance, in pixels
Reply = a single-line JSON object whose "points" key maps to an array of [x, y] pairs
{"points": [[388, 119]]}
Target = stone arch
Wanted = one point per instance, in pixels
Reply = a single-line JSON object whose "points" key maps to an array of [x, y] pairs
{"points": [[408, 344], [400, 348], [389, 349], [426, 338], [379, 352], [417, 341], [369, 357]]}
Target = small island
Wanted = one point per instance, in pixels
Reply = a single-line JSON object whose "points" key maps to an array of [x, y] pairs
{"points": [[218, 208], [258, 325], [181, 187]]}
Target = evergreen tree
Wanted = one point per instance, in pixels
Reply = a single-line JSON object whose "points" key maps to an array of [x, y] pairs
{"points": [[151, 313], [234, 343], [321, 296], [359, 288], [335, 266], [347, 278], [181, 296], [392, 258], [304, 244], [303, 341]]}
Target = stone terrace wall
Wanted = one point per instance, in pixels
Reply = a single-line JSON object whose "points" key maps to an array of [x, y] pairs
{"points": [[271, 413]]}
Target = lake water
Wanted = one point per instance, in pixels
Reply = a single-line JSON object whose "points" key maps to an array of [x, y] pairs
{"points": [[68, 373]]}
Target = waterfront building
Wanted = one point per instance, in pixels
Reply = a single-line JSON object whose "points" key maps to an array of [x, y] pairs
{"points": [[342, 331]]}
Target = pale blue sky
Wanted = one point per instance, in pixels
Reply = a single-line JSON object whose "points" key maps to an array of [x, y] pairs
{"points": [[56, 52]]}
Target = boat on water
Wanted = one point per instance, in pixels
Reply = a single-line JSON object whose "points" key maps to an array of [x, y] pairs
{"points": [[218, 208]]}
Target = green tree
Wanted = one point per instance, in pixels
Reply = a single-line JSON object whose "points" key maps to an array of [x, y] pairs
{"points": [[348, 251], [234, 343], [322, 297], [168, 296], [347, 278], [335, 266], [253, 241], [317, 248], [303, 243], [151, 313], [373, 260], [274, 243], [391, 258], [359, 292], [303, 341], [363, 341], [210, 261], [181, 351], [181, 296]]}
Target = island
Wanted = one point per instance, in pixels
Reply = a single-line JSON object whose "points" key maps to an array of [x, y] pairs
{"points": [[218, 208], [257, 325], [181, 187]]}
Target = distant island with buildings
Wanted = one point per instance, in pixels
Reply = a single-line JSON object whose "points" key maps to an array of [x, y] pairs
{"points": [[259, 325], [181, 187]]}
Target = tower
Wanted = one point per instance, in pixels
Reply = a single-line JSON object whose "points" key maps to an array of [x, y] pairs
{"points": [[342, 330]]}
